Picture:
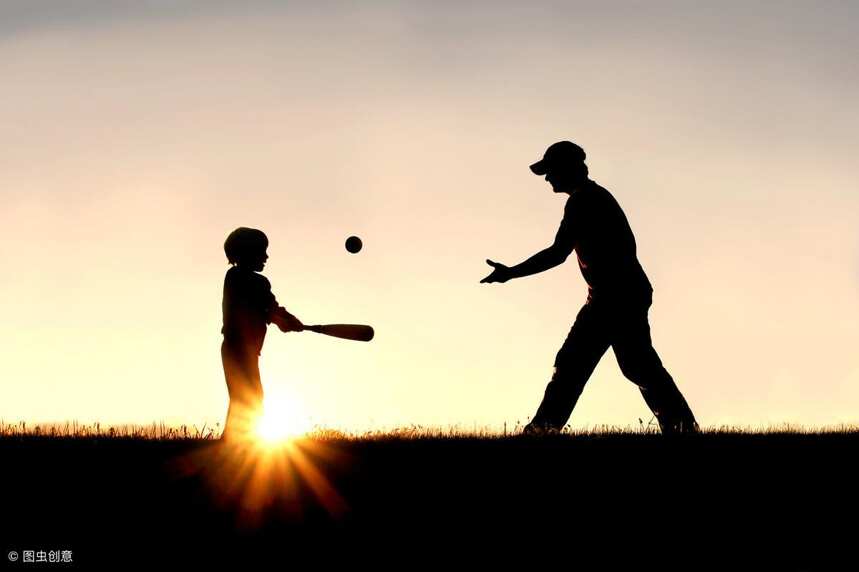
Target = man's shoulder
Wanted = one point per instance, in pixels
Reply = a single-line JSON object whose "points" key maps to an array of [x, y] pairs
{"points": [[594, 189], [597, 195], [586, 195]]}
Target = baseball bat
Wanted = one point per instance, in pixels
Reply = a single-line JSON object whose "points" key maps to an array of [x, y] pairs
{"points": [[357, 332]]}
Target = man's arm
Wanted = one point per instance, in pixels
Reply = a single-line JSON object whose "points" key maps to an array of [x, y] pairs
{"points": [[543, 260], [540, 262]]}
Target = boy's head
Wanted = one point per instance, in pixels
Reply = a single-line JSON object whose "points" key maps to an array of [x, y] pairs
{"points": [[247, 247]]}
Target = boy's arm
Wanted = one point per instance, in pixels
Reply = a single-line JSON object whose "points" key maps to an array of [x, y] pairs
{"points": [[284, 320], [277, 314]]}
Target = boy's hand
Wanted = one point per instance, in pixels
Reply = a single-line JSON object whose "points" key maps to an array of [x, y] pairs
{"points": [[286, 321]]}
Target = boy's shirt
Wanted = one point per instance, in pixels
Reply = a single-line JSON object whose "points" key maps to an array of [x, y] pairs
{"points": [[247, 306]]}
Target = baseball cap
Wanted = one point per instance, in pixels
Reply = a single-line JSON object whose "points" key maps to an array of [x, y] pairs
{"points": [[557, 154]]}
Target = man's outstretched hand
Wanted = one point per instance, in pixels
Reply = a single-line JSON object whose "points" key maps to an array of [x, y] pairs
{"points": [[500, 273]]}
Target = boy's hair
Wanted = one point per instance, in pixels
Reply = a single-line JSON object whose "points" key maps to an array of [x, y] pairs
{"points": [[242, 242]]}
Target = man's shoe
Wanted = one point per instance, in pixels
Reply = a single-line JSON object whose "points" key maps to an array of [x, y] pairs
{"points": [[682, 427], [539, 429]]}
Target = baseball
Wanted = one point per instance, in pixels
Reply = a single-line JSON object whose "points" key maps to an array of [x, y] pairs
{"points": [[354, 244]]}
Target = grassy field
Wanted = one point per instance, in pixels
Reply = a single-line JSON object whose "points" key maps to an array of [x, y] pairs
{"points": [[783, 498]]}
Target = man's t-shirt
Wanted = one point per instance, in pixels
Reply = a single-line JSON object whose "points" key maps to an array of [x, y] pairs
{"points": [[247, 305], [595, 226]]}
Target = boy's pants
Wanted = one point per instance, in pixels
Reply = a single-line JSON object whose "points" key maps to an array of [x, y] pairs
{"points": [[625, 328], [241, 370]]}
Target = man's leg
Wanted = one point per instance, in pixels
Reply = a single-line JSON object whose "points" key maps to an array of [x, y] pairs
{"points": [[582, 350], [640, 363]]}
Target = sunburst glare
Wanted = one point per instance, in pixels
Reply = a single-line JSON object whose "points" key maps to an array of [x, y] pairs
{"points": [[282, 419]]}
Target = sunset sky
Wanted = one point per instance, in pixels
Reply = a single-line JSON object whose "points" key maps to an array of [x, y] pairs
{"points": [[135, 136]]}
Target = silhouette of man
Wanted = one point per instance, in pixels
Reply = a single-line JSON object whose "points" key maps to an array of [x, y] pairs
{"points": [[619, 296]]}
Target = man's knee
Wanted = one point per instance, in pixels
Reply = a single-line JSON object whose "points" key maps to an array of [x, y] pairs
{"points": [[642, 367]]}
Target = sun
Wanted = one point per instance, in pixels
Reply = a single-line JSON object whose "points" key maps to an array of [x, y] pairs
{"points": [[282, 419]]}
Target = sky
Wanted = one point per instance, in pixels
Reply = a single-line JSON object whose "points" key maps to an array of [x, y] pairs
{"points": [[136, 135]]}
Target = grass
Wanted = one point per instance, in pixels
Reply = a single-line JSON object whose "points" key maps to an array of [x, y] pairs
{"points": [[73, 429], [161, 431], [135, 488]]}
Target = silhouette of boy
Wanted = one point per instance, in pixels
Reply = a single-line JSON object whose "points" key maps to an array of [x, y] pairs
{"points": [[248, 307], [619, 296]]}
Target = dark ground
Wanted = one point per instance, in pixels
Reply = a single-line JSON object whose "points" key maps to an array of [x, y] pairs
{"points": [[725, 501]]}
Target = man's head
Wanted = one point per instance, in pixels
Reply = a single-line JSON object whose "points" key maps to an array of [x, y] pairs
{"points": [[247, 247], [563, 164]]}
